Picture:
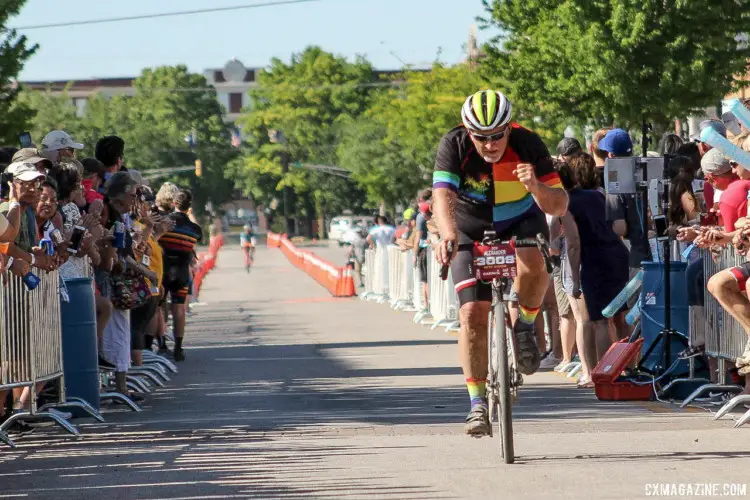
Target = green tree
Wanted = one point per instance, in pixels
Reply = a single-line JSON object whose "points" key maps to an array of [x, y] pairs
{"points": [[428, 104], [306, 100], [391, 149], [49, 112], [15, 50], [378, 164], [609, 61], [170, 105]]}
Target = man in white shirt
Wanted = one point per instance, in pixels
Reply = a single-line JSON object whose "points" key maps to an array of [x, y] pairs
{"points": [[383, 234]]}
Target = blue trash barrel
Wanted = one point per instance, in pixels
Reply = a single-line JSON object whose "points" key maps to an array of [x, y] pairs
{"points": [[652, 314], [80, 356]]}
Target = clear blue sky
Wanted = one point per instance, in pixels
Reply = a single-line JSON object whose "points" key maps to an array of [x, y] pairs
{"points": [[413, 29]]}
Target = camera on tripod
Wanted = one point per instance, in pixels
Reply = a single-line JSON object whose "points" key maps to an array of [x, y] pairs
{"points": [[633, 174]]}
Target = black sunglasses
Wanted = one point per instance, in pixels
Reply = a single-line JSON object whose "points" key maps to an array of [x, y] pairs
{"points": [[489, 138]]}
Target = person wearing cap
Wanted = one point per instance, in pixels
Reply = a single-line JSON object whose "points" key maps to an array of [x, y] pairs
{"points": [[717, 125], [58, 145], [33, 155], [623, 211], [26, 185], [567, 148], [24, 250], [732, 181]]}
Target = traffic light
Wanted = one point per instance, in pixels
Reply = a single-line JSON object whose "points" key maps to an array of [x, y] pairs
{"points": [[198, 168]]}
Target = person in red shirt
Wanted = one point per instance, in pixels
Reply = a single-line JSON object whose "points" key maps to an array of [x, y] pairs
{"points": [[93, 178]]}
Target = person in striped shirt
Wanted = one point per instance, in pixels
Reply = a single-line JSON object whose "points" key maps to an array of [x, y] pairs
{"points": [[179, 251], [493, 174]]}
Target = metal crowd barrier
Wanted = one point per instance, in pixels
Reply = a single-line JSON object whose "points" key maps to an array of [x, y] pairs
{"points": [[369, 273], [401, 278], [31, 347], [723, 337], [392, 277]]}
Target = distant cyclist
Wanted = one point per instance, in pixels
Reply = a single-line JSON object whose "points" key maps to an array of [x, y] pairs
{"points": [[247, 242], [490, 174]]}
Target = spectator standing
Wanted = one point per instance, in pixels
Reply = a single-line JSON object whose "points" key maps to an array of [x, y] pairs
{"points": [[357, 252], [421, 244], [179, 244], [604, 269], [382, 234], [683, 203], [141, 317], [26, 253], [710, 193], [566, 275], [120, 198]]}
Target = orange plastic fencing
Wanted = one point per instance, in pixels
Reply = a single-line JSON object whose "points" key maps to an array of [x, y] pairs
{"points": [[206, 262], [337, 280]]}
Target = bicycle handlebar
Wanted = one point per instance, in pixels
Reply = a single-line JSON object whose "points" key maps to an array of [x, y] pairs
{"points": [[539, 242]]}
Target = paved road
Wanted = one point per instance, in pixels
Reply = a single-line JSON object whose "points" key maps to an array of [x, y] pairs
{"points": [[288, 393]]}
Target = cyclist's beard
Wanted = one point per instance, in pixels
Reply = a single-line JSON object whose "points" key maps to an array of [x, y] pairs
{"points": [[492, 157]]}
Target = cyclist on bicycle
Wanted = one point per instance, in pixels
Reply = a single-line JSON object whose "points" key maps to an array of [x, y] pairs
{"points": [[492, 174], [247, 241]]}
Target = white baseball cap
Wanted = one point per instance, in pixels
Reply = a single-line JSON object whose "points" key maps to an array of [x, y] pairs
{"points": [[58, 139], [24, 171]]}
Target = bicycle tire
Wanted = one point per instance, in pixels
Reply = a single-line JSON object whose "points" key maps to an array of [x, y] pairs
{"points": [[505, 415]]}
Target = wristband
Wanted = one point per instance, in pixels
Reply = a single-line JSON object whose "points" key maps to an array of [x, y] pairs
{"points": [[9, 264], [14, 204], [33, 259]]}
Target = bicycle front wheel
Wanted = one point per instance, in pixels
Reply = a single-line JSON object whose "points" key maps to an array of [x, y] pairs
{"points": [[505, 417]]}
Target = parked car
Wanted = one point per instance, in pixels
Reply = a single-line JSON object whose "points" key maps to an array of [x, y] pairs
{"points": [[341, 227]]}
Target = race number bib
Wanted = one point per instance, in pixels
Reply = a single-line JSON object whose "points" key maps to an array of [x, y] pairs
{"points": [[494, 261]]}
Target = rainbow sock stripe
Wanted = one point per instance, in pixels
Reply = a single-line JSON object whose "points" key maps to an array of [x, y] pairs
{"points": [[477, 391], [527, 314]]}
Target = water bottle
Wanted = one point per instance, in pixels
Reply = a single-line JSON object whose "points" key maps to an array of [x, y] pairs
{"points": [[31, 281], [47, 246], [119, 235]]}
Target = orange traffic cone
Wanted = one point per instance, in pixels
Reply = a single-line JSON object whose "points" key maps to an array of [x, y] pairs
{"points": [[346, 284]]}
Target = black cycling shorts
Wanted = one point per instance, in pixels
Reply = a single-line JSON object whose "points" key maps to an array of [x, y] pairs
{"points": [[462, 268]]}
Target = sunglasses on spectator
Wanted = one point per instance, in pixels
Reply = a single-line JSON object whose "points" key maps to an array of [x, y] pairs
{"points": [[489, 138]]}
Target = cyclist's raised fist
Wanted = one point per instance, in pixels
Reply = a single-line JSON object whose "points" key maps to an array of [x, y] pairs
{"points": [[525, 174]]}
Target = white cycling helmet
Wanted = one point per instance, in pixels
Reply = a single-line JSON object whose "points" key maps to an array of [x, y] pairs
{"points": [[486, 110]]}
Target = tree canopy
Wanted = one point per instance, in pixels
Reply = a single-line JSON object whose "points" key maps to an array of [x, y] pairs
{"points": [[608, 61], [15, 50], [169, 105]]}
